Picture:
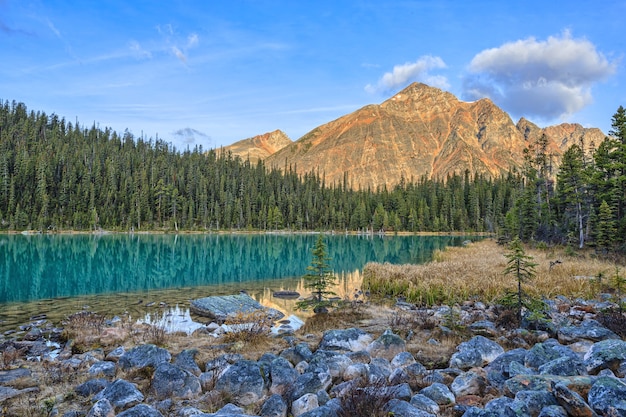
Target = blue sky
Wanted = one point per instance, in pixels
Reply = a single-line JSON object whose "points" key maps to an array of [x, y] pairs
{"points": [[213, 72]]}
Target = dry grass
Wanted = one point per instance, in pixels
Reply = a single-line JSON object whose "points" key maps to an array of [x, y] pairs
{"points": [[476, 272]]}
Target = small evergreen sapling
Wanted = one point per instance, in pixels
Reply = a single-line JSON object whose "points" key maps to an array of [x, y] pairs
{"points": [[521, 266], [319, 279]]}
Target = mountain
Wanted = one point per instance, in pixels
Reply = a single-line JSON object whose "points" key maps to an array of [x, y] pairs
{"points": [[421, 132], [259, 147]]}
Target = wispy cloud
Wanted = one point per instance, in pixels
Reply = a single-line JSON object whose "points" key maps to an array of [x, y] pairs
{"points": [[420, 70], [545, 79], [189, 136]]}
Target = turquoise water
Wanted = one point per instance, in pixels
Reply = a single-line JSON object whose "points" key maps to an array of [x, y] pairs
{"points": [[43, 273]]}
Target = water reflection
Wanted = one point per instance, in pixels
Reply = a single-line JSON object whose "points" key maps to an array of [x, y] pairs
{"points": [[58, 275]]}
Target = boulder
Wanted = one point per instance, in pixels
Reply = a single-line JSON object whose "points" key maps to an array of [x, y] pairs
{"points": [[106, 368], [91, 387], [243, 382], [140, 410], [144, 356], [547, 351], [544, 382], [352, 340], [298, 353], [607, 354], [553, 411], [387, 346], [172, 381], [282, 376], [478, 351], [468, 383], [310, 383], [305, 403], [564, 366], [587, 330], [221, 307], [8, 392], [505, 406], [573, 403], [400, 408], [323, 411], [274, 406], [607, 397], [121, 394], [335, 363], [402, 360], [424, 403], [439, 393], [536, 400], [186, 360], [102, 408]]}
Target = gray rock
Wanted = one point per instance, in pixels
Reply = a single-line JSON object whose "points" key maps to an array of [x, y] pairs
{"points": [[336, 363], [102, 408], [243, 382], [424, 403], [516, 368], [607, 397], [483, 328], [387, 346], [479, 412], [121, 394], [543, 383], [607, 354], [172, 381], [564, 366], [402, 360], [553, 411], [220, 307], [322, 397], [310, 383], [282, 376], [400, 408], [323, 411], [352, 340], [106, 368], [536, 400], [379, 370], [144, 356], [7, 376], [295, 355], [115, 354], [186, 360], [356, 371], [8, 392], [508, 407], [547, 351], [587, 330], [399, 376], [468, 383], [140, 410], [571, 401], [305, 403], [90, 387], [274, 406], [478, 351], [359, 357], [439, 393]]}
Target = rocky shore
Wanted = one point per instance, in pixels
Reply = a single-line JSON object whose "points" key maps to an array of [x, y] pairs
{"points": [[569, 365]]}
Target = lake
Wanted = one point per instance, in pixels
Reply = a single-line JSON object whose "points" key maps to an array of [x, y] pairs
{"points": [[60, 274]]}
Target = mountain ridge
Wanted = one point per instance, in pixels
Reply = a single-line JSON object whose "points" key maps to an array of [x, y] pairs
{"points": [[421, 131]]}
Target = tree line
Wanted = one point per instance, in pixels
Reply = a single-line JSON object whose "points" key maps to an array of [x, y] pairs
{"points": [[57, 175]]}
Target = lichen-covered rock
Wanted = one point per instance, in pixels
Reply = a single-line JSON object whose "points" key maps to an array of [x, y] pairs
{"points": [[299, 353], [571, 401], [336, 363], [121, 394], [536, 400], [186, 360], [544, 382], [90, 387], [356, 371], [547, 351], [101, 408], [274, 406], [310, 383], [282, 376], [221, 307], [106, 368], [351, 339], [564, 366], [553, 411], [607, 396], [468, 383], [305, 403], [424, 403], [587, 330], [143, 356], [172, 381], [243, 382], [402, 360], [607, 354], [478, 351], [439, 393], [323, 411], [140, 410], [387, 346], [498, 369], [401, 408]]}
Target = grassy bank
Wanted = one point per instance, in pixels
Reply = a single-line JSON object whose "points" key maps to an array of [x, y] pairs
{"points": [[475, 271]]}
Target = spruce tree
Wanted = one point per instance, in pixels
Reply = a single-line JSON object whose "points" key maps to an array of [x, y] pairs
{"points": [[319, 279]]}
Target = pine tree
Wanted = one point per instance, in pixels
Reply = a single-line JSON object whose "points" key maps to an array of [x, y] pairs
{"points": [[319, 278], [522, 268]]}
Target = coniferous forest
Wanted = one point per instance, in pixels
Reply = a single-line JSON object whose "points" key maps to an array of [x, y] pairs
{"points": [[56, 176]]}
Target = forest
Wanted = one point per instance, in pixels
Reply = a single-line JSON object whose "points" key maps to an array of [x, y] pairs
{"points": [[57, 176]]}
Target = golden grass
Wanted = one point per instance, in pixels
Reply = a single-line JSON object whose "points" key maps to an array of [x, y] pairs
{"points": [[475, 271]]}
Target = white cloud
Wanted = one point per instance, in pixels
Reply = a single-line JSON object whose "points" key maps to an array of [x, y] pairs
{"points": [[545, 79], [192, 40], [179, 54], [409, 72], [189, 135]]}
